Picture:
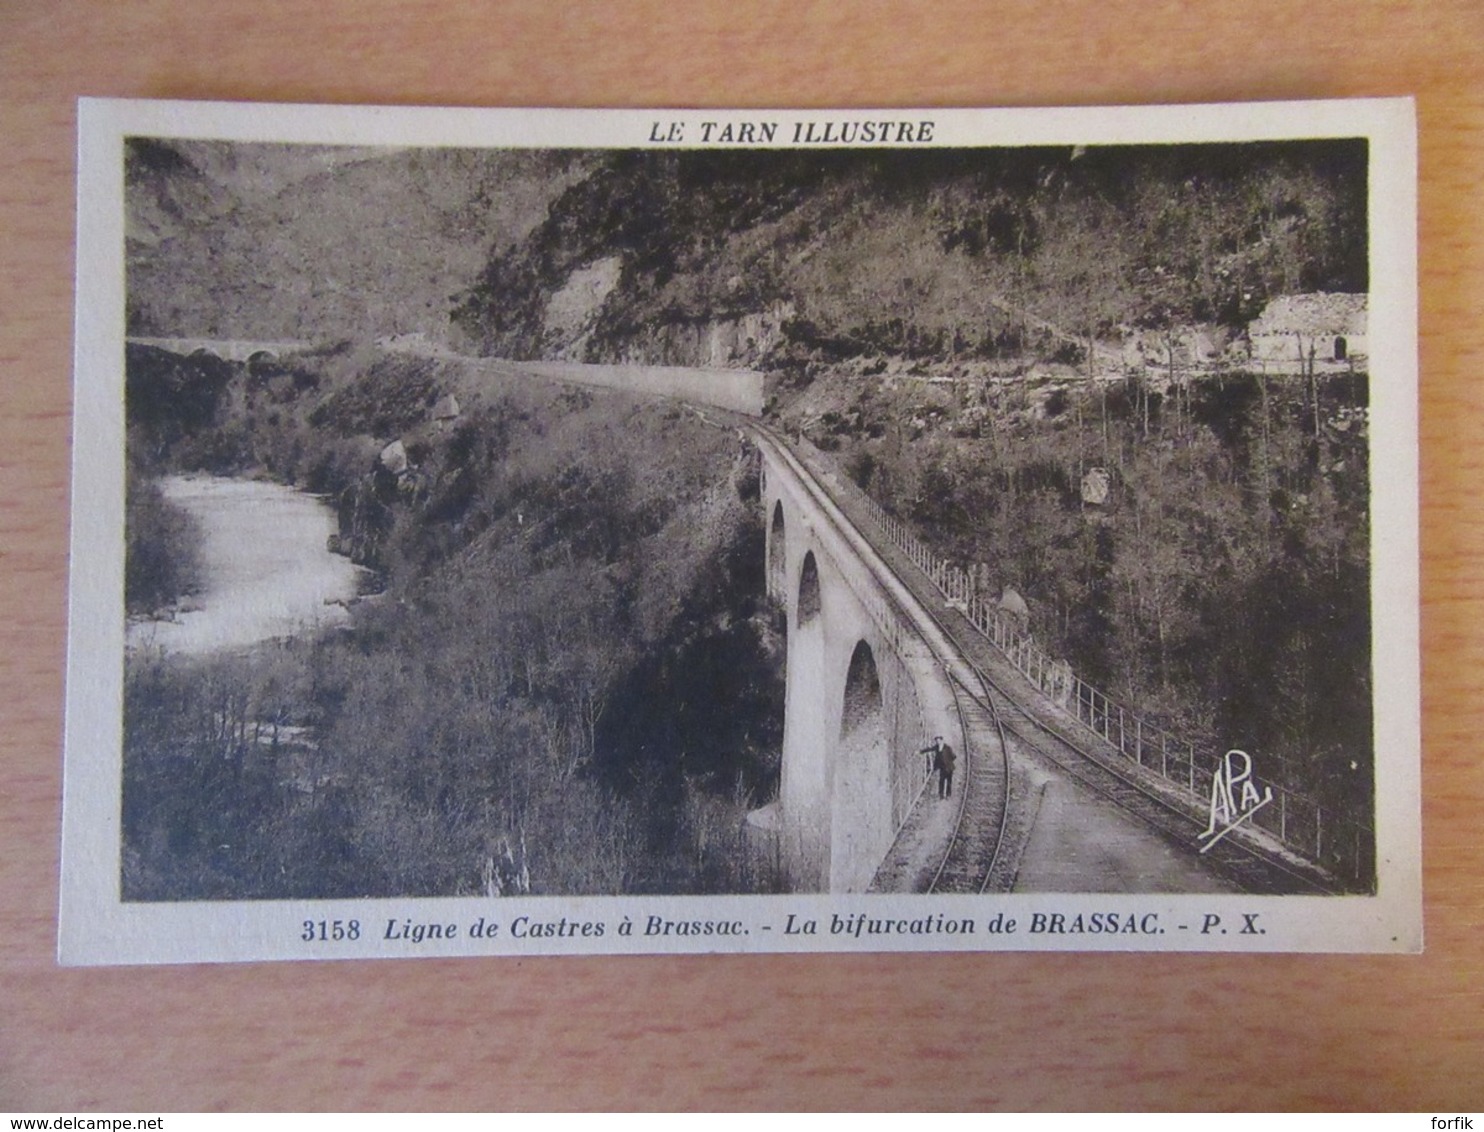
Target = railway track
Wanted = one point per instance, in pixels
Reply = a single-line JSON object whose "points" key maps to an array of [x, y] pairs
{"points": [[979, 831], [979, 821]]}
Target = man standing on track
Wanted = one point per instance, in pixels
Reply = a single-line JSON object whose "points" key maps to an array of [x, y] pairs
{"points": [[944, 765], [940, 758]]}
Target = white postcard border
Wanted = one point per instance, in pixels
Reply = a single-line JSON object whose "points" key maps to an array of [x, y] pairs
{"points": [[96, 927]]}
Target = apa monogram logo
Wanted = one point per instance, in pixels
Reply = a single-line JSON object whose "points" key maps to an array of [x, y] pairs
{"points": [[1234, 797]]}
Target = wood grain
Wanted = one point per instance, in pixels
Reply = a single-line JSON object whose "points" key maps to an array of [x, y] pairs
{"points": [[1012, 1031]]}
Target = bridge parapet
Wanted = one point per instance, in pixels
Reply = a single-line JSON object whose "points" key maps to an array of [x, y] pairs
{"points": [[228, 350]]}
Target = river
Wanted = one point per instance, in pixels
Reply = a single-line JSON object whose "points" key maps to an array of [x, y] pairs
{"points": [[267, 572]]}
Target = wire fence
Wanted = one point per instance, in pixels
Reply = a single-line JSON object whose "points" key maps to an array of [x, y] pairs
{"points": [[1342, 843]]}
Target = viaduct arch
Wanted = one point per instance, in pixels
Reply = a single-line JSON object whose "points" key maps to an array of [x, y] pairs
{"points": [[863, 695]]}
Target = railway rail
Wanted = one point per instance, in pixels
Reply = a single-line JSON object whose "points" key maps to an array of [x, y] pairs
{"points": [[979, 828]]}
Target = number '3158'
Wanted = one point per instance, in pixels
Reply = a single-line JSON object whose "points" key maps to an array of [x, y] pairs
{"points": [[330, 931]]}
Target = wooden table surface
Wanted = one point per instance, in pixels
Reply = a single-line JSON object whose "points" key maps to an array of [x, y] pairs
{"points": [[1018, 1031]]}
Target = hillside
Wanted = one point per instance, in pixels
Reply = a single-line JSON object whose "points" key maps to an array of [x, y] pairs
{"points": [[932, 317], [779, 258], [569, 682], [318, 243], [758, 258]]}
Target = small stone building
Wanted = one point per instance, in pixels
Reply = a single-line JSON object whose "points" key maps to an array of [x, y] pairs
{"points": [[1322, 326]]}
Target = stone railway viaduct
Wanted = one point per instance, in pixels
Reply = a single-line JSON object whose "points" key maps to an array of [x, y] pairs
{"points": [[872, 673], [864, 688]]}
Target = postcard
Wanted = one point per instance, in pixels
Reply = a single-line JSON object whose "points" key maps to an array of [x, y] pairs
{"points": [[532, 532]]}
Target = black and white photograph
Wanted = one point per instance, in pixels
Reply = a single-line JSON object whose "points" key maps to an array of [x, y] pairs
{"points": [[503, 532]]}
